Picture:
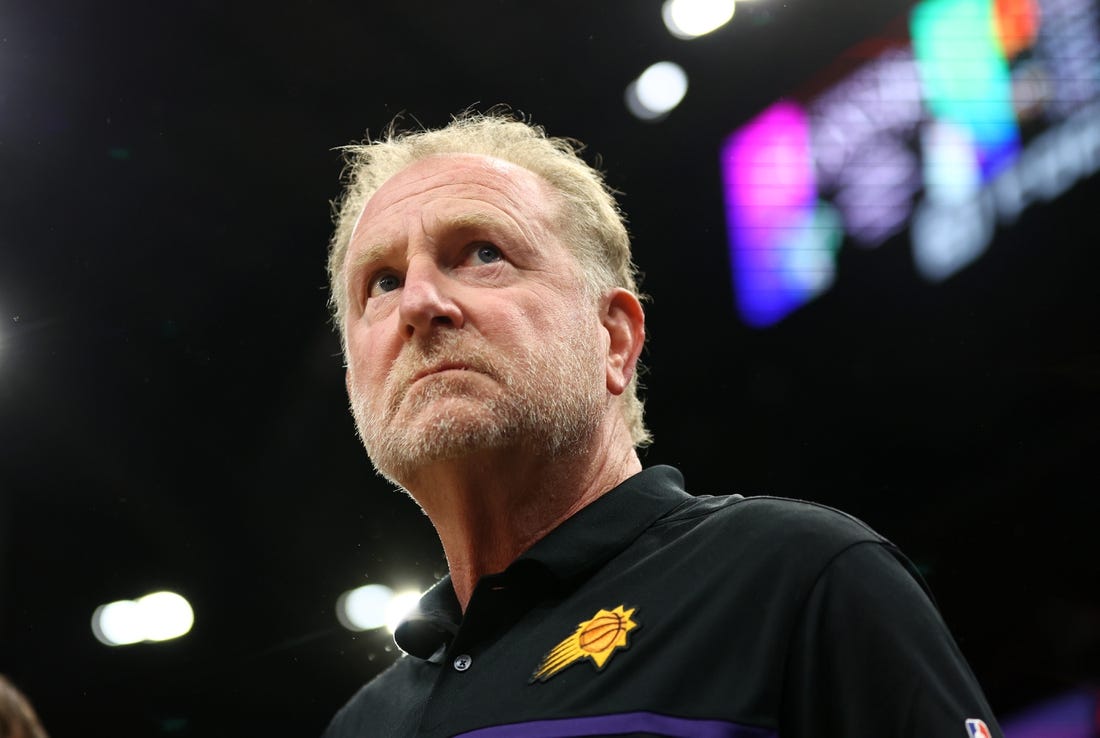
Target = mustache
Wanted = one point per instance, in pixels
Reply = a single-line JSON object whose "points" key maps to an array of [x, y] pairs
{"points": [[442, 350]]}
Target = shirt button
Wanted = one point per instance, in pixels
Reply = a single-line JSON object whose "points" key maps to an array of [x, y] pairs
{"points": [[462, 663]]}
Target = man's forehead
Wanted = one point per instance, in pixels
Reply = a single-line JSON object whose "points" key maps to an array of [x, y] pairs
{"points": [[441, 170], [448, 175]]}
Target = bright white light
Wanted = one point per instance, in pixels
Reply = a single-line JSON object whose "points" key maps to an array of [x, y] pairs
{"points": [[364, 608], [948, 236], [373, 606], [658, 89], [694, 18], [118, 623], [400, 606], [950, 162], [165, 615], [159, 616]]}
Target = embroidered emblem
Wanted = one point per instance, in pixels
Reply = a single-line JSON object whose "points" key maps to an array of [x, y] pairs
{"points": [[977, 729], [594, 639]]}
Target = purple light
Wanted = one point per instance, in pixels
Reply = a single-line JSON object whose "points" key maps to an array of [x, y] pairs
{"points": [[1071, 716], [780, 251]]}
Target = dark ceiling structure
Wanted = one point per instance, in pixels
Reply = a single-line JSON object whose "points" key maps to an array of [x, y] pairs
{"points": [[172, 409]]}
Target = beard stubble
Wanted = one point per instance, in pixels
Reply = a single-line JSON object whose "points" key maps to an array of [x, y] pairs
{"points": [[547, 400]]}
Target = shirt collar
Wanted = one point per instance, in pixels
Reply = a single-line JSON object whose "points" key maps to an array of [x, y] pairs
{"points": [[607, 526], [579, 545], [432, 623]]}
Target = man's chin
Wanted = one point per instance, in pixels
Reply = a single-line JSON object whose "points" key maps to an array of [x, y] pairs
{"points": [[442, 415], [464, 429]]}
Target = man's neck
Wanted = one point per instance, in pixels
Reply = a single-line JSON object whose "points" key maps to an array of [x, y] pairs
{"points": [[490, 507]]}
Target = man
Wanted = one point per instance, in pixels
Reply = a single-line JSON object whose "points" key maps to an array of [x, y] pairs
{"points": [[483, 286]]}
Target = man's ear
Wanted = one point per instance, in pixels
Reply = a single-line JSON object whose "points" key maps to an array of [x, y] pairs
{"points": [[624, 320]]}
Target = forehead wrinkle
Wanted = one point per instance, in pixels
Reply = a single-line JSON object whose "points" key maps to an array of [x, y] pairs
{"points": [[377, 250], [478, 218], [516, 190], [395, 199], [467, 220], [510, 184]]}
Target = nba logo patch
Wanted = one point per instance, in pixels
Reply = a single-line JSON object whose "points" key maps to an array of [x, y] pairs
{"points": [[977, 729]]}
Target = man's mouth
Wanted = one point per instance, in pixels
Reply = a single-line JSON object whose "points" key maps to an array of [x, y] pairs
{"points": [[440, 368]]}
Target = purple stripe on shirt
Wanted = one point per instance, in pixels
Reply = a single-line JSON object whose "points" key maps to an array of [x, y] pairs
{"points": [[627, 722]]}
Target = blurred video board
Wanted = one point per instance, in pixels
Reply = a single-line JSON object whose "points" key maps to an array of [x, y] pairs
{"points": [[945, 129]]}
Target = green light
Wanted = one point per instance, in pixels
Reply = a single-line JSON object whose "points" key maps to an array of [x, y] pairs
{"points": [[965, 77]]}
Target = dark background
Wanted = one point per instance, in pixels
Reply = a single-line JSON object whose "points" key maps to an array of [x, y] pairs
{"points": [[172, 412]]}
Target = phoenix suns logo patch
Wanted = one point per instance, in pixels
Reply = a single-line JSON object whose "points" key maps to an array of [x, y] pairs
{"points": [[595, 639]]}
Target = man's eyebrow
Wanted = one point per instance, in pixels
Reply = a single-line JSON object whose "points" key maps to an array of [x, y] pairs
{"points": [[471, 220], [480, 220], [463, 221], [371, 254]]}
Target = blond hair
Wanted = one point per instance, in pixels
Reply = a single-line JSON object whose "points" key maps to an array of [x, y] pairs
{"points": [[17, 716], [593, 226]]}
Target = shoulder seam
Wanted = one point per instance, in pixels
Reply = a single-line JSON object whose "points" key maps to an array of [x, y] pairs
{"points": [[800, 610], [672, 515], [736, 499]]}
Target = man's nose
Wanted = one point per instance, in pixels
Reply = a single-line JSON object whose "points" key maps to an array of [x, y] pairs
{"points": [[426, 300]]}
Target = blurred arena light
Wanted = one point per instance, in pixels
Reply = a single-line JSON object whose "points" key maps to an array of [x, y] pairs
{"points": [[159, 616], [687, 19], [399, 607], [656, 91], [363, 608], [374, 606]]}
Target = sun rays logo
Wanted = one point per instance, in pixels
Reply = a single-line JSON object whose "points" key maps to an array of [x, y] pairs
{"points": [[594, 639]]}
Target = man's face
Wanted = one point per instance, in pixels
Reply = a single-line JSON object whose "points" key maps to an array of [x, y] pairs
{"points": [[468, 327]]}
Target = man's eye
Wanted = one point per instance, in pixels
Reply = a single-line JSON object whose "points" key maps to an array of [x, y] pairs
{"points": [[487, 253], [383, 283]]}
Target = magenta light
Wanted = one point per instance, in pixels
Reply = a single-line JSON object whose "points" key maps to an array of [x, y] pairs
{"points": [[771, 206]]}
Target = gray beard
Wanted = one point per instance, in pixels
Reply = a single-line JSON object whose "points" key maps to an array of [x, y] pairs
{"points": [[547, 402]]}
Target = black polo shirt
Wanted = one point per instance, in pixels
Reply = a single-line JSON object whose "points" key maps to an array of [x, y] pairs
{"points": [[653, 612]]}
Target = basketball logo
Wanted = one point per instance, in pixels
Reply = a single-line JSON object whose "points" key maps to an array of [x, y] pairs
{"points": [[595, 639], [599, 633]]}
